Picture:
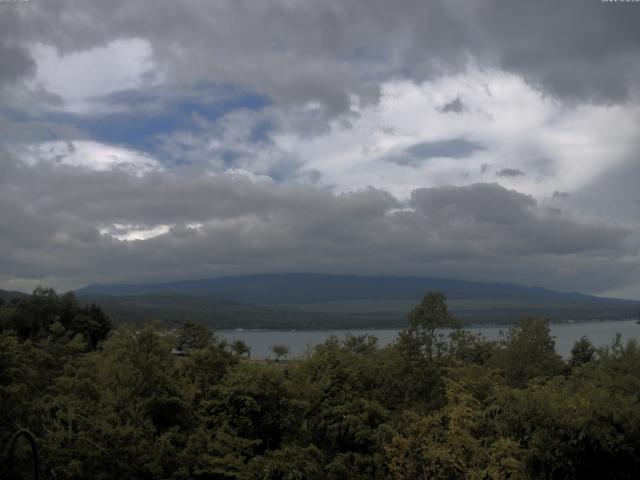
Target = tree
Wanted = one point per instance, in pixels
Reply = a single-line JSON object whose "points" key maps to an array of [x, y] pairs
{"points": [[254, 403], [361, 344], [44, 314], [202, 370], [194, 336], [239, 347], [425, 318], [117, 412], [422, 348], [32, 315], [469, 348], [92, 323], [582, 352], [280, 350], [458, 441], [288, 463], [528, 352]]}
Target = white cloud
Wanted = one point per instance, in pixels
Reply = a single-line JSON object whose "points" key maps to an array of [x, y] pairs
{"points": [[557, 146], [80, 78], [128, 233], [87, 154]]}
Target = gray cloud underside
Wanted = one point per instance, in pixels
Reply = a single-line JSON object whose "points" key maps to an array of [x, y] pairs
{"points": [[510, 173], [326, 51], [612, 194], [454, 148], [455, 106], [51, 216], [16, 63]]}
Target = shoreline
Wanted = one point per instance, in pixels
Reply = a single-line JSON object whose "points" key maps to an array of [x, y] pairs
{"points": [[383, 329]]}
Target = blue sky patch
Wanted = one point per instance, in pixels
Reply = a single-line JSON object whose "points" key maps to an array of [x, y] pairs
{"points": [[150, 115]]}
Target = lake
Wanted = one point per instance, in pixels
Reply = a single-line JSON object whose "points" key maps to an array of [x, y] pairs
{"points": [[260, 341]]}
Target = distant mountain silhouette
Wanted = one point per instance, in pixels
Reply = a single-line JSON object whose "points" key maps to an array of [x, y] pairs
{"points": [[304, 288], [308, 300], [8, 295]]}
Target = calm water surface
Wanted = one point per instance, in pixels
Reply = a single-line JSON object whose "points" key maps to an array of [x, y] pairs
{"points": [[299, 342]]}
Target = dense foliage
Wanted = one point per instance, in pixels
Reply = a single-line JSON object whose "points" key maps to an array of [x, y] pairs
{"points": [[121, 403]]}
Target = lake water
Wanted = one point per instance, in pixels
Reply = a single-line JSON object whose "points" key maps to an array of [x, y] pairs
{"points": [[260, 341]]}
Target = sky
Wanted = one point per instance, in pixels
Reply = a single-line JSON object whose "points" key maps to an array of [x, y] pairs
{"points": [[155, 140]]}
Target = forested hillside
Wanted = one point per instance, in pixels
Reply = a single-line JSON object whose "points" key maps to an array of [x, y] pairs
{"points": [[8, 295], [171, 309], [303, 300], [105, 403]]}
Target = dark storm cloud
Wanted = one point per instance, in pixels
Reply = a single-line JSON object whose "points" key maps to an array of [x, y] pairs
{"points": [[612, 194], [16, 63], [51, 218], [455, 106], [29, 130], [296, 52], [574, 49], [485, 203], [557, 195], [509, 222], [453, 148], [510, 173]]}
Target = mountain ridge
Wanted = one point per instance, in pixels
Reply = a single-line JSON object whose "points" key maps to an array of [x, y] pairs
{"points": [[300, 288], [8, 295], [307, 300]]}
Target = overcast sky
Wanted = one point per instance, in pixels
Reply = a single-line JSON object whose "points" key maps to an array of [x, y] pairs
{"points": [[474, 139]]}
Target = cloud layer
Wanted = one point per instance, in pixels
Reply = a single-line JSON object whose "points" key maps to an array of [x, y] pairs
{"points": [[478, 139], [67, 222]]}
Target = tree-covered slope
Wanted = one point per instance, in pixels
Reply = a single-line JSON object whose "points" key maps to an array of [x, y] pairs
{"points": [[175, 308], [295, 300], [8, 295], [294, 288]]}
